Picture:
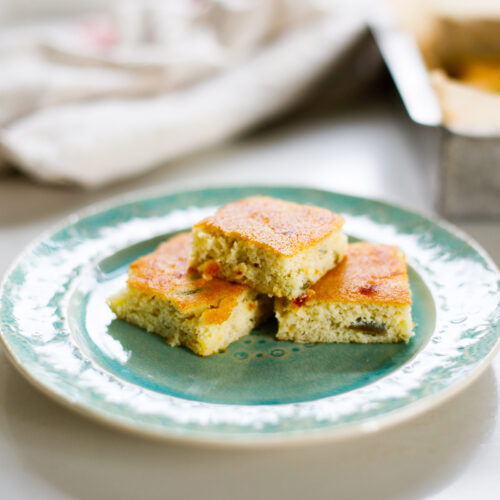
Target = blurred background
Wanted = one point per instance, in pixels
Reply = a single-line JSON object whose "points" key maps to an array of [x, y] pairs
{"points": [[93, 93]]}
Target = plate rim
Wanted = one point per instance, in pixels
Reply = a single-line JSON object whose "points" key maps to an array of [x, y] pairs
{"points": [[258, 441], [249, 440]]}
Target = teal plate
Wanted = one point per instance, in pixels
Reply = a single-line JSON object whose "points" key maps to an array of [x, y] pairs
{"points": [[59, 332]]}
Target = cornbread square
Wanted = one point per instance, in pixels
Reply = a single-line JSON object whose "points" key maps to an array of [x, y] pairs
{"points": [[276, 247], [163, 297], [365, 299]]}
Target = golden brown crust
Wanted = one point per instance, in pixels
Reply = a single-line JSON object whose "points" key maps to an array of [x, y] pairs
{"points": [[284, 227], [165, 273], [370, 272]]}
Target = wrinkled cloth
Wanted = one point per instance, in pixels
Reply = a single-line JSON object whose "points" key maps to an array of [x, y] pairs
{"points": [[92, 101]]}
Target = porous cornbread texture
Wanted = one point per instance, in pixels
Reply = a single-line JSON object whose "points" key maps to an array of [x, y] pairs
{"points": [[276, 247], [163, 297], [365, 299]]}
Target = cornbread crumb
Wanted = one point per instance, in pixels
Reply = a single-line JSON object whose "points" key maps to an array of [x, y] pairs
{"points": [[277, 247]]}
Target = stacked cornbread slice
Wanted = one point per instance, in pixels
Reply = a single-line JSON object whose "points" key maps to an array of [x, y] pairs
{"points": [[277, 247], [207, 289]]}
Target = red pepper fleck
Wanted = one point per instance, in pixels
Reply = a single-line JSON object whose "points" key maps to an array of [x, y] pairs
{"points": [[302, 299], [368, 289], [209, 269]]}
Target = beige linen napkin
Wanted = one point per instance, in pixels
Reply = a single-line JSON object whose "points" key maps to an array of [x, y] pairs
{"points": [[108, 97]]}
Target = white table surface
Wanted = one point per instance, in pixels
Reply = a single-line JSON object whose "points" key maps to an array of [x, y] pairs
{"points": [[452, 452]]}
